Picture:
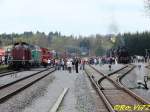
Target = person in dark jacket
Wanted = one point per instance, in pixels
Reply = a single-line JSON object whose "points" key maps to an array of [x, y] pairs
{"points": [[76, 65]]}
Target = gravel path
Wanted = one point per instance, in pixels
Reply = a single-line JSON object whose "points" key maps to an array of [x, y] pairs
{"points": [[25, 98], [80, 97], [85, 101], [104, 68], [131, 79], [13, 77], [40, 97]]}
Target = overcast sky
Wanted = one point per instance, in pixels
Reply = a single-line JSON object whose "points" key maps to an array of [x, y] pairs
{"points": [[76, 17]]}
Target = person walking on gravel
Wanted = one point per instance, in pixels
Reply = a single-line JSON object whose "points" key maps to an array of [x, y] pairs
{"points": [[62, 64], [69, 65], [139, 66]]}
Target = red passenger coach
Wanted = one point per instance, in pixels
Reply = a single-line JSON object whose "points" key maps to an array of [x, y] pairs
{"points": [[45, 56], [50, 54], [2, 53]]}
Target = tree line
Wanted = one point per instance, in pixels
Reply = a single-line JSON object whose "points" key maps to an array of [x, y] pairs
{"points": [[136, 43], [93, 44], [98, 45]]}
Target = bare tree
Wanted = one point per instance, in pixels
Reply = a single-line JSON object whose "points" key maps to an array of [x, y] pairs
{"points": [[147, 6], [1, 44]]}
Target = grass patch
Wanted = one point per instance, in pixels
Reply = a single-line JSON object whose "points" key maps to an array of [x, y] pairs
{"points": [[3, 68]]}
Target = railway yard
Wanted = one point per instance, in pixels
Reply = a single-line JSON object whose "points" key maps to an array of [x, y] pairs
{"points": [[95, 89], [75, 56]]}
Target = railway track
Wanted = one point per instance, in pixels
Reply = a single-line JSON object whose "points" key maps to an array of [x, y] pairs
{"points": [[97, 87], [8, 73], [116, 76], [12, 76], [147, 66], [115, 96], [12, 88]]}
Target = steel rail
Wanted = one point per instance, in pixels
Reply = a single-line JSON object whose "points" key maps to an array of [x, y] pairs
{"points": [[99, 91], [10, 89], [121, 87]]}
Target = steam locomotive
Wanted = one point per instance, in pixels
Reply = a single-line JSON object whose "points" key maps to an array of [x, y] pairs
{"points": [[123, 55]]}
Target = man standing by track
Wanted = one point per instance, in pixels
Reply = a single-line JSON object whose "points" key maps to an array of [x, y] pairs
{"points": [[76, 65]]}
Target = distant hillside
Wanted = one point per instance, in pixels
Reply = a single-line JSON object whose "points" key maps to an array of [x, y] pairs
{"points": [[95, 44], [98, 45]]}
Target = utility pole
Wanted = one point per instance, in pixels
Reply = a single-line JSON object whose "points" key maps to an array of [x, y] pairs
{"points": [[147, 54], [145, 82], [12, 39]]}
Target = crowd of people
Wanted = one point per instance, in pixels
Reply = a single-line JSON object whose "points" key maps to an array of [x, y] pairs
{"points": [[75, 64], [102, 60], [137, 59], [68, 64], [3, 60], [114, 60], [79, 63]]}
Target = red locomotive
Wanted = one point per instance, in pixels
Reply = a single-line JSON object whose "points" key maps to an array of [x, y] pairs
{"points": [[23, 56]]}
